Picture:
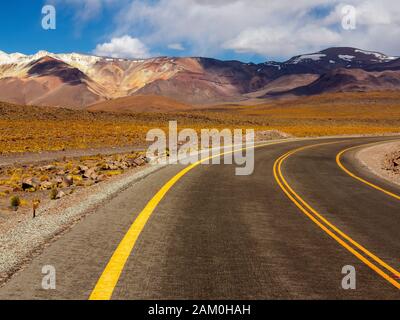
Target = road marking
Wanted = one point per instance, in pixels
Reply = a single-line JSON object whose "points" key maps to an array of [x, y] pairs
{"points": [[328, 227], [108, 280], [351, 174]]}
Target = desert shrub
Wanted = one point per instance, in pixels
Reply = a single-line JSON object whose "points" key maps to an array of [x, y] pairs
{"points": [[44, 178], [15, 201], [53, 194]]}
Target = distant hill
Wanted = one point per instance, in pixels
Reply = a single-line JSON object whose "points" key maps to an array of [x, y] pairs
{"points": [[140, 103]]}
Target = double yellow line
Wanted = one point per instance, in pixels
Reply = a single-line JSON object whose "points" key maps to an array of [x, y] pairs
{"points": [[108, 280], [371, 260]]}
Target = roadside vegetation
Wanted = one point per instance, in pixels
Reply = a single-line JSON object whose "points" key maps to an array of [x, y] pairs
{"points": [[21, 186], [33, 129]]}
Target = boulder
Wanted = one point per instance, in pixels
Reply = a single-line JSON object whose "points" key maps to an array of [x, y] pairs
{"points": [[89, 173], [31, 183]]}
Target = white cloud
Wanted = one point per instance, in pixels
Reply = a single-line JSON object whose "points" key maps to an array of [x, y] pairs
{"points": [[283, 42], [210, 27], [123, 47], [176, 46], [268, 28]]}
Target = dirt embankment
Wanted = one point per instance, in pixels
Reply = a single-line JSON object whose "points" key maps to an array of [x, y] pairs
{"points": [[383, 160]]}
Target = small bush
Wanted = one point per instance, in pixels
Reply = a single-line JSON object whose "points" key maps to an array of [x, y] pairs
{"points": [[53, 194], [44, 178], [15, 201]]}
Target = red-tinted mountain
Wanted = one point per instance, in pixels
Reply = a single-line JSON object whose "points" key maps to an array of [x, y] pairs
{"points": [[78, 81]]}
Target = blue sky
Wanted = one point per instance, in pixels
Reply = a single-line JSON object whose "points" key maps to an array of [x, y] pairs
{"points": [[247, 30], [21, 29]]}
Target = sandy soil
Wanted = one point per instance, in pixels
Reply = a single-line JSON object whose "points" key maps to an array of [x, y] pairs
{"points": [[377, 157]]}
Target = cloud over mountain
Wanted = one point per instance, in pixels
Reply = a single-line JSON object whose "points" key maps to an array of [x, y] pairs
{"points": [[123, 47], [267, 28]]}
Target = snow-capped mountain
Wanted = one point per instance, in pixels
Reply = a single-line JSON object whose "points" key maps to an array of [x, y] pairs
{"points": [[78, 80], [343, 55]]}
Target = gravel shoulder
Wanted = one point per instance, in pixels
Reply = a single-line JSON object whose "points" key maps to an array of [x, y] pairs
{"points": [[380, 158], [44, 156], [19, 245]]}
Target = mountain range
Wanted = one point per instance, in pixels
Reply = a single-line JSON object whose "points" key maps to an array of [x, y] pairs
{"points": [[99, 83]]}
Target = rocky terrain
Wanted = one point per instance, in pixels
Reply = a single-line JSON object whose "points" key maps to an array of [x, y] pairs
{"points": [[383, 160], [391, 162], [22, 185], [78, 81]]}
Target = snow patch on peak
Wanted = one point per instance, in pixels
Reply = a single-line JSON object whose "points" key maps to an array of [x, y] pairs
{"points": [[77, 60], [80, 61], [378, 55], [313, 57], [40, 54], [6, 58], [346, 57]]}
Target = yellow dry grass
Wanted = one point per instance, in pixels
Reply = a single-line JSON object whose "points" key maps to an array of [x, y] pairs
{"points": [[36, 129]]}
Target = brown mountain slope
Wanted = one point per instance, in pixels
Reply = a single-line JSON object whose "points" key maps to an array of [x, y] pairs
{"points": [[140, 103], [354, 80], [283, 84], [50, 82]]}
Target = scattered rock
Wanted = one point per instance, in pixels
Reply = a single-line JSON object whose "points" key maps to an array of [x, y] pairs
{"points": [[58, 180], [83, 169], [112, 166], [68, 181], [131, 162], [60, 194], [31, 183], [47, 185], [48, 168], [391, 162], [100, 178], [90, 174], [139, 162]]}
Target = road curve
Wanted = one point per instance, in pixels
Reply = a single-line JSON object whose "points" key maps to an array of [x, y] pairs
{"points": [[216, 235]]}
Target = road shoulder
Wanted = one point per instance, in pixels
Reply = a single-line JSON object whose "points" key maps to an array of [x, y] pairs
{"points": [[377, 159]]}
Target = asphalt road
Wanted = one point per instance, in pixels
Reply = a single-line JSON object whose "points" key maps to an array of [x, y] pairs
{"points": [[216, 235]]}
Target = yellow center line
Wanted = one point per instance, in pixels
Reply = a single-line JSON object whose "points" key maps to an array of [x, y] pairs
{"points": [[351, 174], [327, 226], [108, 280]]}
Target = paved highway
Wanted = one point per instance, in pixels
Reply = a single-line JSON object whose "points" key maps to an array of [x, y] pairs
{"points": [[285, 232]]}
